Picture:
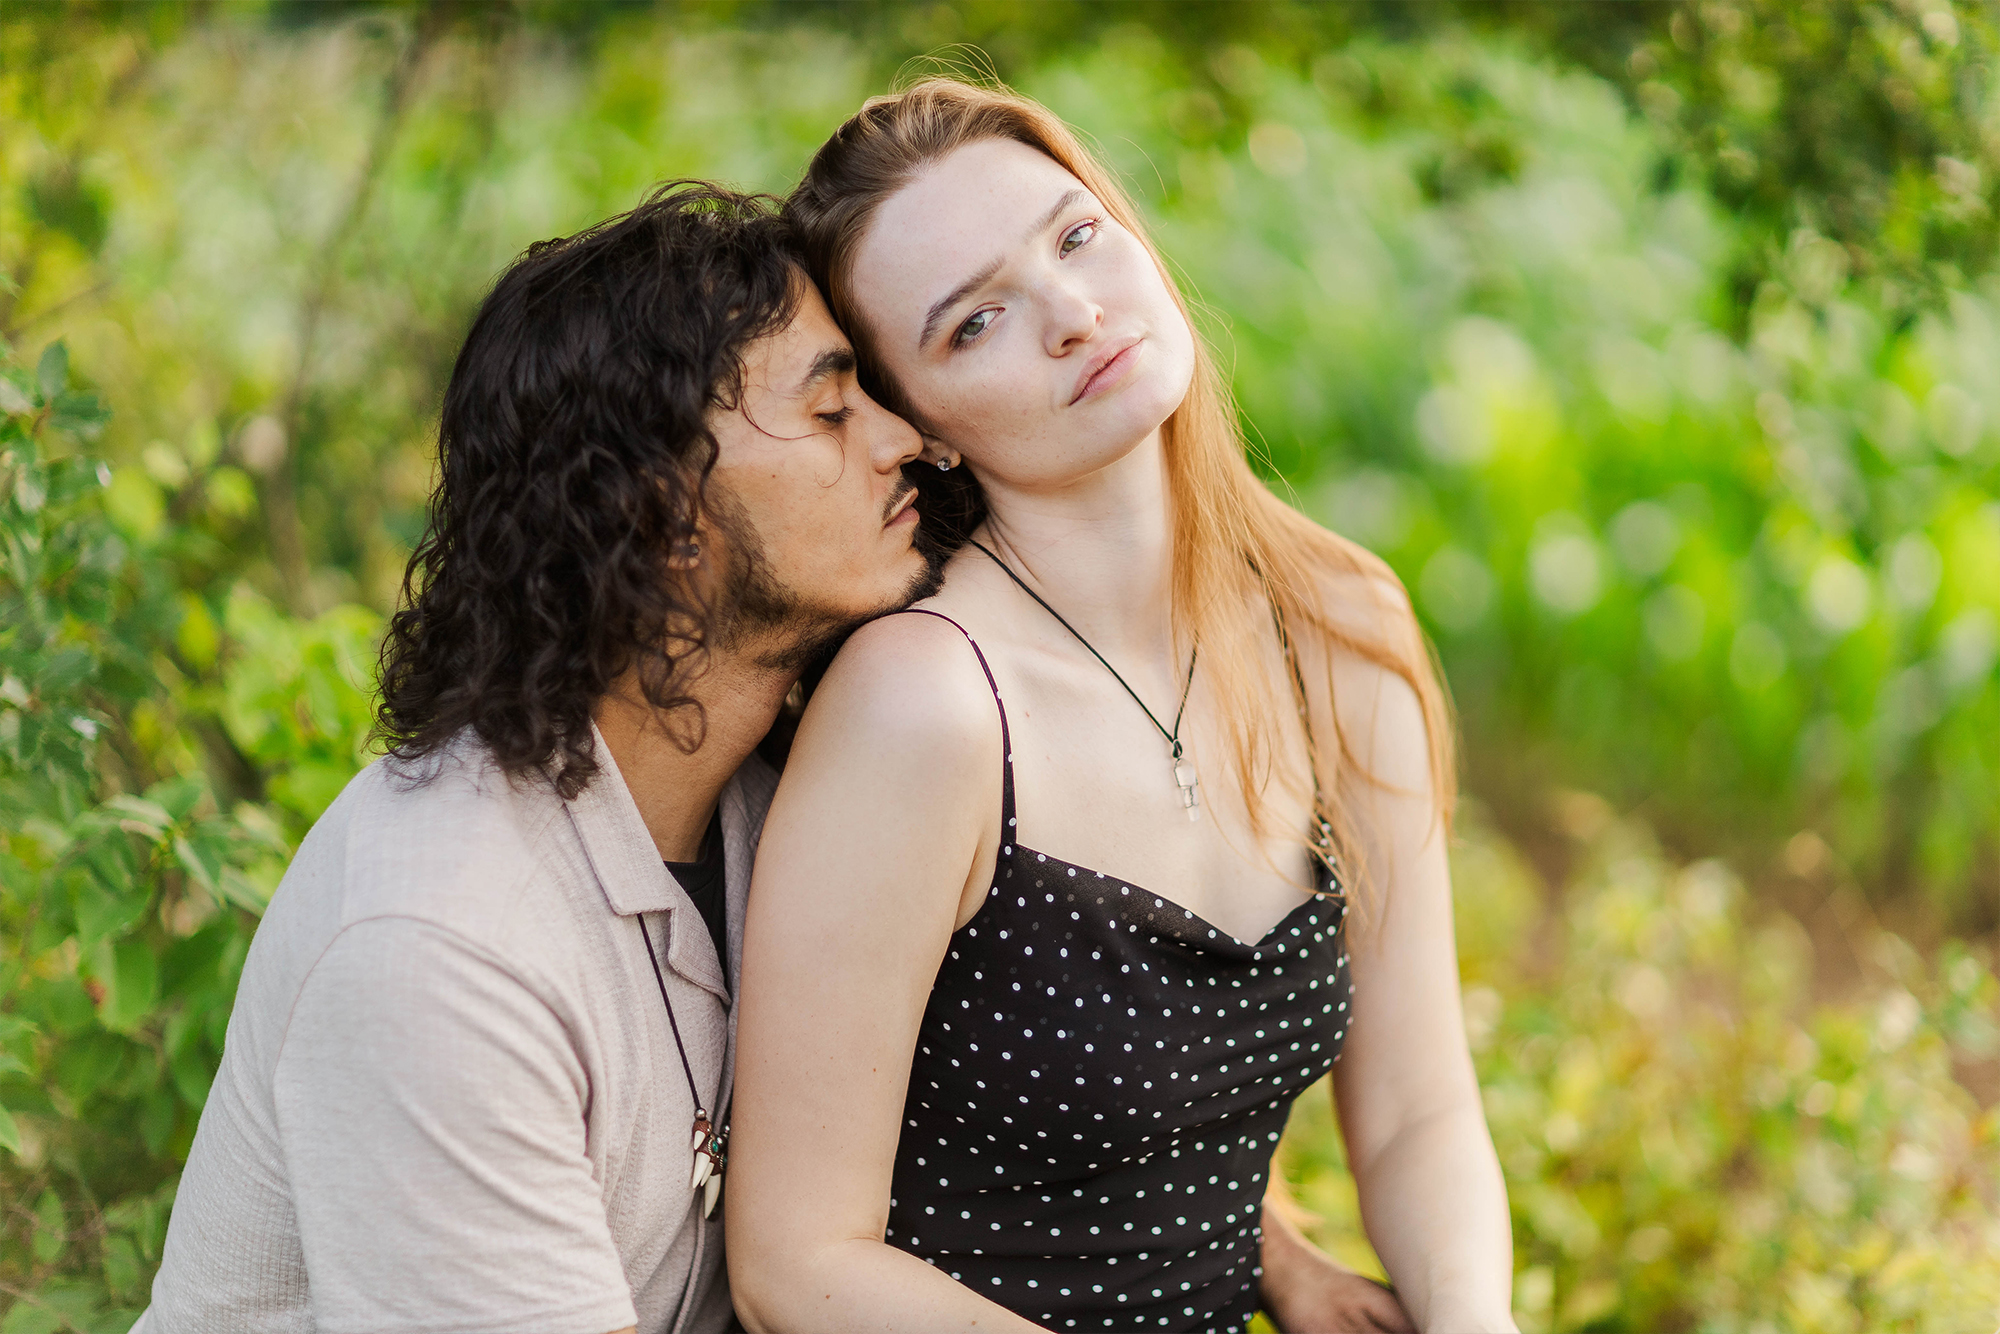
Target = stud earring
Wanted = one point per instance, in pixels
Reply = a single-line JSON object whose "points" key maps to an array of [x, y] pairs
{"points": [[944, 465]]}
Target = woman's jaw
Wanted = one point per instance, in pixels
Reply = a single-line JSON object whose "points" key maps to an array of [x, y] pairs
{"points": [[1025, 327]]}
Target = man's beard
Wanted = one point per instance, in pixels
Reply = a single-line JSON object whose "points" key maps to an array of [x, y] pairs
{"points": [[784, 630]]}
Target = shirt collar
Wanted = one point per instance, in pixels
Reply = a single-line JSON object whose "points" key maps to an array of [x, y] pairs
{"points": [[634, 879]]}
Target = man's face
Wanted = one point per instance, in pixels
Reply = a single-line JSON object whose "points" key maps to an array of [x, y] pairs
{"points": [[814, 520]]}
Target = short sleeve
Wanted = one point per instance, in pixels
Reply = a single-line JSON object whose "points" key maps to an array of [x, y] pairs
{"points": [[431, 1111]]}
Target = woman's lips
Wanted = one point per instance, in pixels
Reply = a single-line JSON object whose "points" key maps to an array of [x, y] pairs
{"points": [[1105, 373]]}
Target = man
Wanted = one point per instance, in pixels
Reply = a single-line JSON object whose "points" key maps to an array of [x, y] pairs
{"points": [[485, 1024]]}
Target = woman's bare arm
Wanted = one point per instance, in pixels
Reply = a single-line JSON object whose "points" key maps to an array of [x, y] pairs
{"points": [[890, 801], [1432, 1197]]}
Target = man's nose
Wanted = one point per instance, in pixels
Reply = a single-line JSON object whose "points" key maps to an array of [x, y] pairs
{"points": [[892, 442]]}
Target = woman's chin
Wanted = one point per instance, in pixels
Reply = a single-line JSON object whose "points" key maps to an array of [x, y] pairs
{"points": [[1140, 406]]}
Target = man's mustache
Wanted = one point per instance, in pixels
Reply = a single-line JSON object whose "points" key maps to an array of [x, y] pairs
{"points": [[903, 488]]}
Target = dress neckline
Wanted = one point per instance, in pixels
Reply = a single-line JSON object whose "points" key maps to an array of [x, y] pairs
{"points": [[1020, 849], [1010, 847]]}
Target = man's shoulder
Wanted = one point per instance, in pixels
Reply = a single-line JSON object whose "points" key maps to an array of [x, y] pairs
{"points": [[449, 839], [454, 797]]}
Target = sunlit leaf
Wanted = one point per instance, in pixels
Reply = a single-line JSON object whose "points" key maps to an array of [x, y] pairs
{"points": [[141, 816]]}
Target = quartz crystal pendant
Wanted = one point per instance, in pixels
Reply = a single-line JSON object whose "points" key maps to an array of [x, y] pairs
{"points": [[1190, 785]]}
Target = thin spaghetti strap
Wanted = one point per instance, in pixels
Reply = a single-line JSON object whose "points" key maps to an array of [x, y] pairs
{"points": [[1006, 741]]}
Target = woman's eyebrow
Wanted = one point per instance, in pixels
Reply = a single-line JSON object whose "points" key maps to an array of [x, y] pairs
{"points": [[942, 306]]}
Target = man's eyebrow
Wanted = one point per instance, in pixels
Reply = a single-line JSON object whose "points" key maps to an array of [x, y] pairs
{"points": [[832, 361], [943, 305]]}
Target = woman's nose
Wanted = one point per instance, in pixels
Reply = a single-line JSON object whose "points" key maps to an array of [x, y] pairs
{"points": [[1072, 316]]}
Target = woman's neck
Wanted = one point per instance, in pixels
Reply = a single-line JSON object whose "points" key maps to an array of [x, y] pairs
{"points": [[1100, 549]]}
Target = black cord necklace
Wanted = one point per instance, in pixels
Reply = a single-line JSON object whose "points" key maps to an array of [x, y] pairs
{"points": [[1184, 775], [710, 1145]]}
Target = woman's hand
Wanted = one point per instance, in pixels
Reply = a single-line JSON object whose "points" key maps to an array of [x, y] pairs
{"points": [[1305, 1291]]}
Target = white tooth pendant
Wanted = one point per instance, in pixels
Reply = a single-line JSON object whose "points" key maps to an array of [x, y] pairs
{"points": [[711, 1191], [703, 1163]]}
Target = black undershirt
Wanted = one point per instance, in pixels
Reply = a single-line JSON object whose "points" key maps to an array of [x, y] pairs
{"points": [[705, 883]]}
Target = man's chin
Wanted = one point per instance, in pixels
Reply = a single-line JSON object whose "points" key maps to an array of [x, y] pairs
{"points": [[927, 581], [810, 634]]}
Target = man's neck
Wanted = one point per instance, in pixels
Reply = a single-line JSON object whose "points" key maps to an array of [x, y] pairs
{"points": [[1100, 549], [675, 789]]}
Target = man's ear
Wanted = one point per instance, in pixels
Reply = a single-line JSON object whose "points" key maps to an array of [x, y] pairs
{"points": [[685, 554]]}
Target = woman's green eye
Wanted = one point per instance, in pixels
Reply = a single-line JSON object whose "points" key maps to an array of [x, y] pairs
{"points": [[1078, 235], [974, 326]]}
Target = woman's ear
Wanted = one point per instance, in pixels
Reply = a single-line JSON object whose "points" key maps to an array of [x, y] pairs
{"points": [[938, 454]]}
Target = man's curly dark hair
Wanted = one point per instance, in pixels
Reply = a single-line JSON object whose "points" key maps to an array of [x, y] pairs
{"points": [[574, 456]]}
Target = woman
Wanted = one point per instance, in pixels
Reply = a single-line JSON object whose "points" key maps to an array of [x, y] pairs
{"points": [[1036, 1082]]}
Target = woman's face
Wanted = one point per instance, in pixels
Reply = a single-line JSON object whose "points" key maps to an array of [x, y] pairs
{"points": [[1027, 329]]}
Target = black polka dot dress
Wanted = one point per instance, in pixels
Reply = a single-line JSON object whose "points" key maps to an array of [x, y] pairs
{"points": [[1098, 1085]]}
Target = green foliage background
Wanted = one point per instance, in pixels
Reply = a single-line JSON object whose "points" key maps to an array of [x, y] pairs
{"points": [[1655, 345]]}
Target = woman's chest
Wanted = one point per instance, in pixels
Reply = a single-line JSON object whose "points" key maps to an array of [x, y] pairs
{"points": [[1079, 1017], [1097, 784]]}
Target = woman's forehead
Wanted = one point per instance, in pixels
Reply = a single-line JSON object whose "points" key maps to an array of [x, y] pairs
{"points": [[954, 217]]}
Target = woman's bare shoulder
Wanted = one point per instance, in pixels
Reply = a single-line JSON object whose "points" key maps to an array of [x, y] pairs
{"points": [[1374, 648], [1365, 602], [908, 681]]}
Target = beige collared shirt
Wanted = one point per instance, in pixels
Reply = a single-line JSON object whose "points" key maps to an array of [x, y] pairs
{"points": [[449, 1099]]}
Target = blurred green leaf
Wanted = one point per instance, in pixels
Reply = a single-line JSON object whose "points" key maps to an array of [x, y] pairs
{"points": [[204, 868], [51, 1227], [80, 414], [100, 914], [52, 372], [60, 200], [130, 976]]}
